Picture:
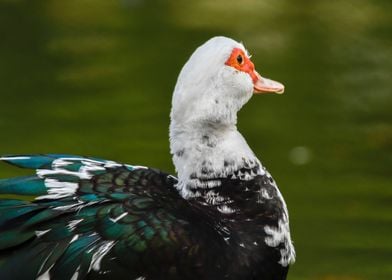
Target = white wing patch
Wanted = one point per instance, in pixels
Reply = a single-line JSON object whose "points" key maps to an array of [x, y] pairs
{"points": [[44, 276], [279, 235], [58, 189], [76, 205], [264, 193], [72, 224], [76, 274], [213, 198], [115, 220], [224, 209], [76, 237], [39, 233], [99, 254]]}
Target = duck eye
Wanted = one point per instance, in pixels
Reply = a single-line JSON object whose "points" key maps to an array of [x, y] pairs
{"points": [[240, 59]]}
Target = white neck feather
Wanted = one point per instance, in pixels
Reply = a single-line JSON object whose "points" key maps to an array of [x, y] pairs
{"points": [[204, 140], [203, 152]]}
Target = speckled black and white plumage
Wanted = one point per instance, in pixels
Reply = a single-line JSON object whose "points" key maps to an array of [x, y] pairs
{"points": [[240, 212], [137, 215]]}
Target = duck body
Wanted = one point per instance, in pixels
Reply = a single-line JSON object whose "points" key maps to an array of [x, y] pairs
{"points": [[117, 220], [222, 217]]}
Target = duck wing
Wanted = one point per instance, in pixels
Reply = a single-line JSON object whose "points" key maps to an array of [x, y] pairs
{"points": [[80, 217]]}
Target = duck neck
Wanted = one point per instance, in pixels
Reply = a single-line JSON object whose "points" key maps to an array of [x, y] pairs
{"points": [[207, 153]]}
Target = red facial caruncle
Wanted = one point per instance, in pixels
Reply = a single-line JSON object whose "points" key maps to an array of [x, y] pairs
{"points": [[241, 62]]}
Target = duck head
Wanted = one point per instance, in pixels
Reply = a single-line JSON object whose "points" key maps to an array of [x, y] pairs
{"points": [[218, 79]]}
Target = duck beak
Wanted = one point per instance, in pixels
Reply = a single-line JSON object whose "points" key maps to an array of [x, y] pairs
{"points": [[264, 85]]}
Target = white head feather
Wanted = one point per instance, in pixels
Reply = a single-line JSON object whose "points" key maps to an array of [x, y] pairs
{"points": [[209, 90]]}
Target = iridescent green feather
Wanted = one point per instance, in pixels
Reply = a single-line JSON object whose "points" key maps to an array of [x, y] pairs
{"points": [[65, 215]]}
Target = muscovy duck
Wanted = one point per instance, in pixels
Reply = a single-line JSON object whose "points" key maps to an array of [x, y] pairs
{"points": [[223, 218]]}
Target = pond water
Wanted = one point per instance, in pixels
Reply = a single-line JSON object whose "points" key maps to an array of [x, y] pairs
{"points": [[95, 78]]}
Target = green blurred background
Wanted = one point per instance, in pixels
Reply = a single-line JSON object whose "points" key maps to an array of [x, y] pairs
{"points": [[95, 77]]}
